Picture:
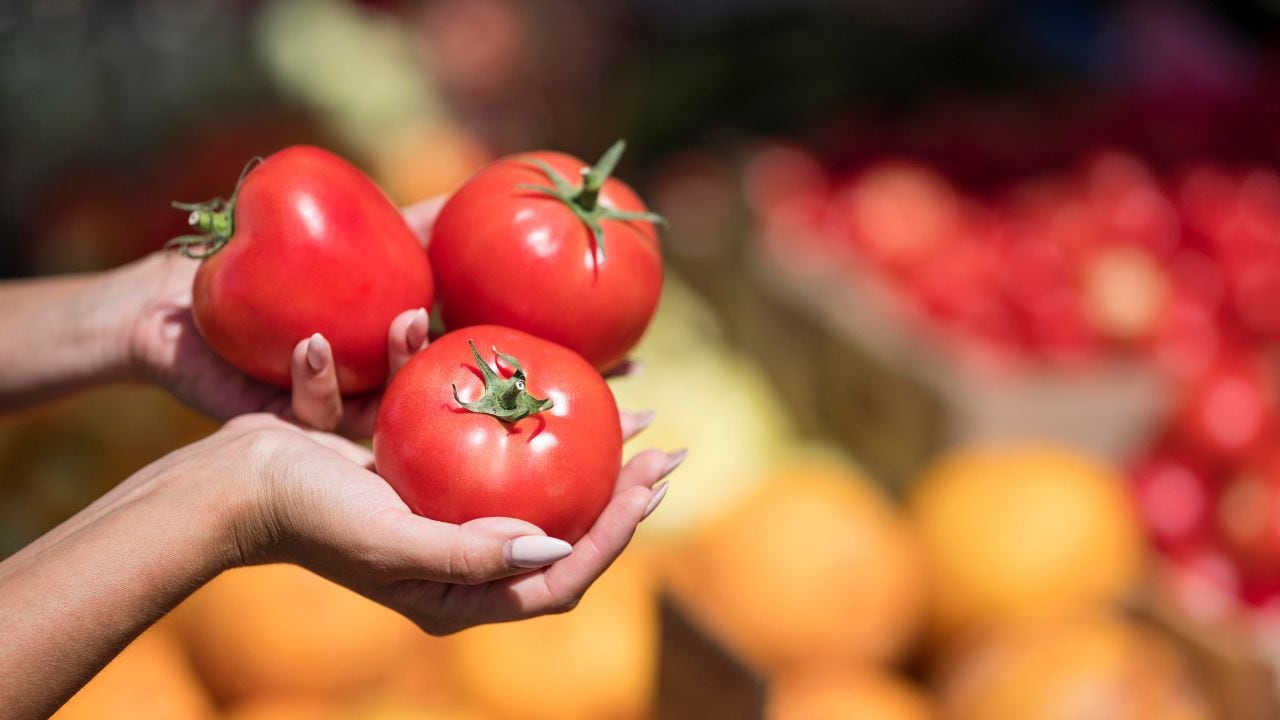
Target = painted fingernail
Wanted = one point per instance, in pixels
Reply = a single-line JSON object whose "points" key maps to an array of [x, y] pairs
{"points": [[643, 419], [418, 327], [317, 353], [673, 461], [659, 492], [631, 368], [534, 551]]}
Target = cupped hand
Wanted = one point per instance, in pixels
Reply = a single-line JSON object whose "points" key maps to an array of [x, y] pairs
{"points": [[319, 505]]}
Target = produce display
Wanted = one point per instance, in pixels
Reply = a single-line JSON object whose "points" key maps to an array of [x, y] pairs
{"points": [[1115, 257], [1091, 194]]}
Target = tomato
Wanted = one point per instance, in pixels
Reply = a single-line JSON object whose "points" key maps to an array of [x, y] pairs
{"points": [[1175, 496], [520, 245], [306, 244], [1227, 413], [529, 430], [1248, 517]]}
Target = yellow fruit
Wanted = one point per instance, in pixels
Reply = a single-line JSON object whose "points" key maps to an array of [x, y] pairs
{"points": [[815, 565], [594, 663], [1024, 531], [846, 693], [151, 679], [688, 369], [279, 630], [1097, 667], [283, 708], [425, 159]]}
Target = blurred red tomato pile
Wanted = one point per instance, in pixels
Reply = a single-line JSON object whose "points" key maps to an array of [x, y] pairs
{"points": [[1113, 257]]}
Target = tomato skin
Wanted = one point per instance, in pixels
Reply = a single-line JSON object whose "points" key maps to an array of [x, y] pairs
{"points": [[316, 248], [518, 258], [555, 469]]}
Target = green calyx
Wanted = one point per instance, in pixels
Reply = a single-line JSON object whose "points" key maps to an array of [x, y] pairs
{"points": [[503, 398], [584, 200], [214, 220]]}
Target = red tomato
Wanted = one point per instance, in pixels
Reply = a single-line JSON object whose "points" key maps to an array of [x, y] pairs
{"points": [[452, 457], [1248, 517], [1227, 413], [1176, 499], [307, 244], [509, 254]]}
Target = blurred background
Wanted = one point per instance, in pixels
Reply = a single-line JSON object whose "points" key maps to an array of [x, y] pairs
{"points": [[970, 325]]}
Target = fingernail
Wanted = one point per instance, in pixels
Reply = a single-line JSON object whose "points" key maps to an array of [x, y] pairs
{"points": [[633, 368], [659, 492], [418, 327], [317, 353], [643, 419], [673, 461], [534, 551]]}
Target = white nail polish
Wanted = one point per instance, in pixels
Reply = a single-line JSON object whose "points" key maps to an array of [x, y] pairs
{"points": [[673, 461], [644, 419], [534, 551], [317, 353], [658, 493]]}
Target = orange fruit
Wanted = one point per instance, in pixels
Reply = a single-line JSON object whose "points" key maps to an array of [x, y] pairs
{"points": [[816, 564], [830, 693], [1024, 530], [1094, 667], [596, 662], [280, 630], [151, 678], [283, 708]]}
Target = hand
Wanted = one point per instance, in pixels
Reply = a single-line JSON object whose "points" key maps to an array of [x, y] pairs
{"points": [[263, 490], [166, 348], [319, 506]]}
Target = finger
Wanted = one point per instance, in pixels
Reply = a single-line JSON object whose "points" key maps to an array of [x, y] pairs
{"points": [[626, 368], [559, 587], [406, 336], [316, 400], [633, 423], [421, 217], [358, 415], [647, 469], [475, 552], [354, 452]]}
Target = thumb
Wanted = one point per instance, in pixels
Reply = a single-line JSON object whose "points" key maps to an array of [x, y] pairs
{"points": [[475, 552]]}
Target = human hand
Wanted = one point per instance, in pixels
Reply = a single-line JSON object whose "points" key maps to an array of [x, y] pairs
{"points": [[316, 504], [262, 490]]}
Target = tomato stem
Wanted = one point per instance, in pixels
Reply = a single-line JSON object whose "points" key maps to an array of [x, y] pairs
{"points": [[584, 200], [505, 399], [214, 219]]}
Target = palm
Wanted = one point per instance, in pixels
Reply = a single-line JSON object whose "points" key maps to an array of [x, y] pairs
{"points": [[165, 342]]}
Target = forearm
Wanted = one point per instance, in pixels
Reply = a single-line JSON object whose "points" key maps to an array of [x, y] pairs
{"points": [[60, 334], [71, 601]]}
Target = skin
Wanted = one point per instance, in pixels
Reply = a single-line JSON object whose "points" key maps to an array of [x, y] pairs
{"points": [[261, 489]]}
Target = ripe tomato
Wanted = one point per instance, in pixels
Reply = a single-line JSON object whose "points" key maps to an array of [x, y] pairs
{"points": [[1176, 497], [306, 244], [520, 245], [1248, 517], [530, 431], [1227, 413]]}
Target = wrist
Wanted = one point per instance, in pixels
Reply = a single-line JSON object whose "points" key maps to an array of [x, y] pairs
{"points": [[109, 311]]}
